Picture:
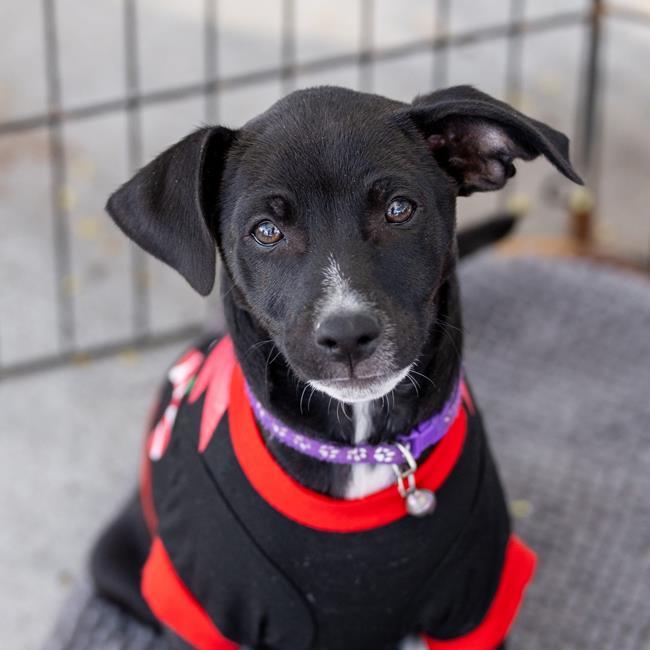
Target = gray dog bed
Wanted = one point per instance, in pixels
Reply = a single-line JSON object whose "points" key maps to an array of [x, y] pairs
{"points": [[558, 354]]}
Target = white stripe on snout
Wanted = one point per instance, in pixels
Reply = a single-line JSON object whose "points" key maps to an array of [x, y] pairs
{"points": [[338, 295]]}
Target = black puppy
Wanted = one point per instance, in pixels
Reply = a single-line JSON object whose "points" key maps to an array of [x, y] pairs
{"points": [[334, 214]]}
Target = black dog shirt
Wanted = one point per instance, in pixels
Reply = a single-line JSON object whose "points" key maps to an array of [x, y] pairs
{"points": [[242, 554]]}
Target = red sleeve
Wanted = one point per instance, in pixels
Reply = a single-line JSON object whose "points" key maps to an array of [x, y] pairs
{"points": [[518, 569]]}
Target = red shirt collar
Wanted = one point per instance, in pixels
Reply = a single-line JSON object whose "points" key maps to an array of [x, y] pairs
{"points": [[313, 509]]}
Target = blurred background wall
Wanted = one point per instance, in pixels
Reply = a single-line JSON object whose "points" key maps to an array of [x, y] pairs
{"points": [[89, 91]]}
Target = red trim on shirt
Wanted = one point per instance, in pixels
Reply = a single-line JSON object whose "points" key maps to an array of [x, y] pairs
{"points": [[214, 380], [174, 605], [467, 398], [315, 510], [146, 489], [517, 572]]}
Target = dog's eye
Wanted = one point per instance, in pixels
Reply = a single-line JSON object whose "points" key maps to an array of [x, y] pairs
{"points": [[400, 210], [267, 233]]}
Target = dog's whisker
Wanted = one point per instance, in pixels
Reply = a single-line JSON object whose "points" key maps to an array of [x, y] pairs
{"points": [[268, 356], [391, 394], [227, 293], [257, 345], [415, 386], [266, 368], [313, 390], [413, 379], [444, 321], [446, 328], [278, 353], [419, 374], [302, 395]]}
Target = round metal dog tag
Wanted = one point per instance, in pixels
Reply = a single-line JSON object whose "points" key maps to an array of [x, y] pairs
{"points": [[420, 502]]}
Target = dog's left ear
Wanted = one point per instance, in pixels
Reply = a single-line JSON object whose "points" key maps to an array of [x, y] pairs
{"points": [[475, 138], [170, 207]]}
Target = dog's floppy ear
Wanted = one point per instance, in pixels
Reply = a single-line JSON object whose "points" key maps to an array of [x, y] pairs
{"points": [[170, 206], [475, 138]]}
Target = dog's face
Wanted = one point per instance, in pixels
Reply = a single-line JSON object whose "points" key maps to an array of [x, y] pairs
{"points": [[336, 227], [335, 215]]}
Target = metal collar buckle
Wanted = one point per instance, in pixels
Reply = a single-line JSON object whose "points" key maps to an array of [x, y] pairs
{"points": [[419, 502]]}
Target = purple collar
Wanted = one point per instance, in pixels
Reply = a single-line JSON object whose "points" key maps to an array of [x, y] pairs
{"points": [[424, 435]]}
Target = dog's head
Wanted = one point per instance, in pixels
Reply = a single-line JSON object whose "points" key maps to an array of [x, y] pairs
{"points": [[334, 212]]}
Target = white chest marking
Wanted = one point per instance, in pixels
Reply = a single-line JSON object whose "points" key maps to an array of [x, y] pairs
{"points": [[366, 479], [411, 643]]}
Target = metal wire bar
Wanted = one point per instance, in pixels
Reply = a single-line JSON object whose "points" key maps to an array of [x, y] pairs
{"points": [[211, 71], [513, 76], [639, 17], [588, 108], [210, 54], [366, 55], [440, 72], [180, 92], [102, 351], [514, 52], [140, 297], [58, 176], [288, 46]]}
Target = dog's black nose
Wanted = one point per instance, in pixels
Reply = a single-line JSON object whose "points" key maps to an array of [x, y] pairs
{"points": [[352, 336]]}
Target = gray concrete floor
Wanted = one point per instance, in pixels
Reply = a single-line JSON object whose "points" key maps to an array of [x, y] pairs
{"points": [[69, 439], [70, 448]]}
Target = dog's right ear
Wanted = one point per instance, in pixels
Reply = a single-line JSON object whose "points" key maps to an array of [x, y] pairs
{"points": [[170, 206]]}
